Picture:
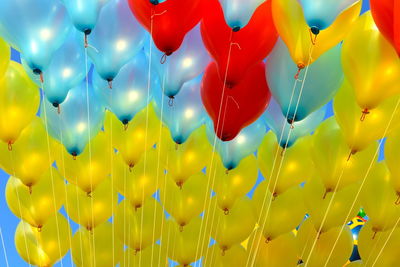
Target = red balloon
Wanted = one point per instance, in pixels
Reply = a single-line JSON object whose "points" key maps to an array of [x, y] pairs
{"points": [[243, 48], [232, 109], [169, 21], [386, 14]]}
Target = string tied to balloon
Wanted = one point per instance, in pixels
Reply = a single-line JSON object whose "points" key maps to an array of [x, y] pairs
{"points": [[110, 83], [181, 227], [74, 155], [57, 106], [89, 194], [314, 31], [223, 249], [39, 228], [327, 190], [171, 101], [125, 122], [267, 240], [397, 202], [274, 196], [364, 114], [319, 234], [131, 165], [226, 211], [30, 189], [300, 66], [352, 152], [10, 144], [86, 32], [179, 184], [375, 232]]}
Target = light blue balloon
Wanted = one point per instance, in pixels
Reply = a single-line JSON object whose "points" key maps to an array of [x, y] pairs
{"points": [[130, 92], [72, 127], [185, 114], [244, 144], [320, 14], [238, 13], [275, 120], [37, 28], [323, 79], [66, 70], [115, 40], [183, 65]]}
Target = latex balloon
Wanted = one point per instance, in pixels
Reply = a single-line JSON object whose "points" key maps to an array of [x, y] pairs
{"points": [[291, 25], [138, 228], [318, 85], [391, 158], [91, 167], [80, 120], [184, 65], [113, 43], [321, 14], [151, 256], [187, 201], [98, 247], [185, 113], [168, 21], [238, 13], [276, 121], [284, 168], [41, 203], [336, 243], [36, 28], [359, 134], [237, 50], [45, 247], [232, 109], [370, 64], [5, 55], [91, 210], [235, 256], [244, 144], [19, 101]]}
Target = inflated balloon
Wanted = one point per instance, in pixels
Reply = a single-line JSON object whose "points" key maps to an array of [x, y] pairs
{"points": [[232, 109], [98, 247], [244, 144], [185, 114], [151, 256], [19, 101], [392, 146], [80, 120], [37, 206], [45, 247], [235, 256], [319, 83], [5, 54], [235, 52], [36, 28], [294, 31], [168, 21], [114, 42], [370, 64], [185, 64], [238, 13]]}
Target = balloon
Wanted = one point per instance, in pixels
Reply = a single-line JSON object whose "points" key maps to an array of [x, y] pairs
{"points": [[185, 114], [36, 28], [244, 144], [151, 256], [235, 256], [391, 159], [80, 120], [249, 99], [184, 65], [168, 21], [98, 247], [284, 168], [45, 247], [19, 101], [321, 14], [294, 31], [37, 206], [236, 51], [238, 13], [91, 210], [360, 134], [370, 64], [319, 83], [5, 55], [114, 42]]}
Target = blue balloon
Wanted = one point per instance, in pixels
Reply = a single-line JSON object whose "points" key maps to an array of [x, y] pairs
{"points": [[78, 122], [37, 28], [238, 13], [318, 83], [185, 114], [130, 92], [275, 120], [183, 65], [244, 144], [117, 38]]}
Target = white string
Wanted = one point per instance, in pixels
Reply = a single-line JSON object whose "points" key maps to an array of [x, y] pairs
{"points": [[4, 248]]}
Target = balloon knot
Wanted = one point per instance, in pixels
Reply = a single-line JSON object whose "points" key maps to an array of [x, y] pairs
{"points": [[283, 151], [74, 155], [179, 184], [375, 232], [181, 227], [154, 2], [137, 250], [39, 228], [236, 29], [10, 144], [267, 240], [274, 196], [227, 171], [171, 101], [314, 31], [226, 211], [85, 40], [397, 202], [300, 66], [89, 194], [365, 112], [327, 190], [131, 167], [352, 152], [176, 146], [126, 125], [319, 234], [223, 249], [110, 83], [138, 206], [30, 188], [163, 58]]}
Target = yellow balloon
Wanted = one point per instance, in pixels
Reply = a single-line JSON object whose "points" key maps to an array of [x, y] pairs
{"points": [[37, 204], [151, 256], [19, 102], [139, 228], [332, 159], [235, 256], [233, 184], [293, 29], [392, 148], [287, 168], [90, 210], [5, 55], [370, 64], [277, 216], [186, 202], [96, 248], [332, 248], [45, 247]]}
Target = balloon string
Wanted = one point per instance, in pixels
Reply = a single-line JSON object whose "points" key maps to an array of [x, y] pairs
{"points": [[397, 202], [163, 58], [4, 248]]}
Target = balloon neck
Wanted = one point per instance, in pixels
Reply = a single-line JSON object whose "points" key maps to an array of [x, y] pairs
{"points": [[86, 32], [364, 114], [315, 30], [39, 228], [267, 240], [40, 73], [30, 188], [110, 85], [131, 167], [10, 144], [137, 250], [236, 29], [89, 194], [74, 155], [223, 249], [125, 122], [57, 106], [138, 206], [226, 211], [179, 184], [274, 196], [300, 66], [154, 2], [327, 190], [181, 227], [352, 152], [171, 101]]}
